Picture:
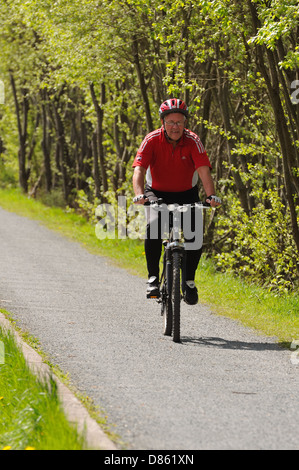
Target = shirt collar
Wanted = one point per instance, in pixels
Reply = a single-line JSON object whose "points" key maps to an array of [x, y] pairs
{"points": [[180, 142]]}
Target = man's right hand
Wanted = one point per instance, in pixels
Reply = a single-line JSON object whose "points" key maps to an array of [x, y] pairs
{"points": [[141, 199]]}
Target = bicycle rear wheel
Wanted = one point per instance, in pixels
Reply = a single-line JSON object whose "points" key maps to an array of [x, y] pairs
{"points": [[176, 297]]}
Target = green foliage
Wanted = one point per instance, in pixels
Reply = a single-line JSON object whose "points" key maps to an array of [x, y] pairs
{"points": [[259, 247], [90, 77], [8, 177]]}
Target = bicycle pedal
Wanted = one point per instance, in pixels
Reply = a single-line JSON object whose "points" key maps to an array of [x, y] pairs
{"points": [[154, 296]]}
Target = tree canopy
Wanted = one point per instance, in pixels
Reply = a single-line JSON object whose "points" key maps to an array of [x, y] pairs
{"points": [[83, 84]]}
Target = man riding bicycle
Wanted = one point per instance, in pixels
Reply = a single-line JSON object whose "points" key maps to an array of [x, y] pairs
{"points": [[171, 159]]}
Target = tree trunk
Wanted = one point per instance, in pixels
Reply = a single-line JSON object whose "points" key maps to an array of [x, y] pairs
{"points": [[62, 152], [46, 142], [272, 80], [143, 88], [222, 91], [96, 171], [99, 130], [22, 122]]}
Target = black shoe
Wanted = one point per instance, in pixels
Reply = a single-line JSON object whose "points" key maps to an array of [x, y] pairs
{"points": [[190, 294], [153, 291]]}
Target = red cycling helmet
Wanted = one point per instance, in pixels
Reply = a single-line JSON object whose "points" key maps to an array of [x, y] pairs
{"points": [[173, 106]]}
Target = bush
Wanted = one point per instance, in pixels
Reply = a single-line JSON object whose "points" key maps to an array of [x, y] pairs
{"points": [[259, 246], [8, 177]]}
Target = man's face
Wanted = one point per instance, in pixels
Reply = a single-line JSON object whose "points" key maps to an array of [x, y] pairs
{"points": [[174, 124]]}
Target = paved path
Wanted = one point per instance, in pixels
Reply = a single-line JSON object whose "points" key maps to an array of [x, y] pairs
{"points": [[225, 387]]}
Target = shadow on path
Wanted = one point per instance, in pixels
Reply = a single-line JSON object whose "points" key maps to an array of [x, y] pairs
{"points": [[222, 343]]}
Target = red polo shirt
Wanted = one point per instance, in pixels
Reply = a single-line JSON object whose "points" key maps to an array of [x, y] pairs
{"points": [[171, 169]]}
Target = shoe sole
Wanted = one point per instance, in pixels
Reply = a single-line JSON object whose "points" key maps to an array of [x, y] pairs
{"points": [[191, 303]]}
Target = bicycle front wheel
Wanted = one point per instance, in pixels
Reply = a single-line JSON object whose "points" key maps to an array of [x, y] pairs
{"points": [[167, 316], [166, 296], [176, 297]]}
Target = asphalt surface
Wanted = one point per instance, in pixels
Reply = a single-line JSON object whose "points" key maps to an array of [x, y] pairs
{"points": [[224, 387]]}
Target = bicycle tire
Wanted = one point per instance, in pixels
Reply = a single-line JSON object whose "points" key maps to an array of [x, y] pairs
{"points": [[166, 299], [167, 316], [176, 297]]}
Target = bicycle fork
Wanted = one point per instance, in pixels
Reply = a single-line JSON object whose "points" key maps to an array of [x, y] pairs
{"points": [[170, 248]]}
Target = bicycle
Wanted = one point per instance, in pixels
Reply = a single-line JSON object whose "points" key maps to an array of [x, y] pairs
{"points": [[173, 276]]}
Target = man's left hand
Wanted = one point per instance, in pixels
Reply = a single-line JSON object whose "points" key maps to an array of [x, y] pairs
{"points": [[214, 201]]}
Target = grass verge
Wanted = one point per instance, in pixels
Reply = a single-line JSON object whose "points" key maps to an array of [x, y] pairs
{"points": [[31, 413], [227, 295], [254, 306]]}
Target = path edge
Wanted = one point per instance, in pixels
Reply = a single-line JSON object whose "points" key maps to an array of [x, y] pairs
{"points": [[75, 411]]}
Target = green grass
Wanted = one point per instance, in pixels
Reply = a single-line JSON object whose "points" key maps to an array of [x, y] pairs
{"points": [[254, 306], [227, 295], [31, 413]]}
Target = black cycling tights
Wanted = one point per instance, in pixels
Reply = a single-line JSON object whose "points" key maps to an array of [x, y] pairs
{"points": [[153, 245]]}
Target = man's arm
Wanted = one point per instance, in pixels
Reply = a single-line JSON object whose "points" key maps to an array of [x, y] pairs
{"points": [[138, 182], [208, 183]]}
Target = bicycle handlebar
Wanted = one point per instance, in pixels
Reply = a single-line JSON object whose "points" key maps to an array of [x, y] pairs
{"points": [[139, 198], [215, 198], [201, 205], [179, 207]]}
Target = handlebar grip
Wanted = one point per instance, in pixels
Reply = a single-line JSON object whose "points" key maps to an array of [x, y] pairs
{"points": [[215, 198], [138, 198]]}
